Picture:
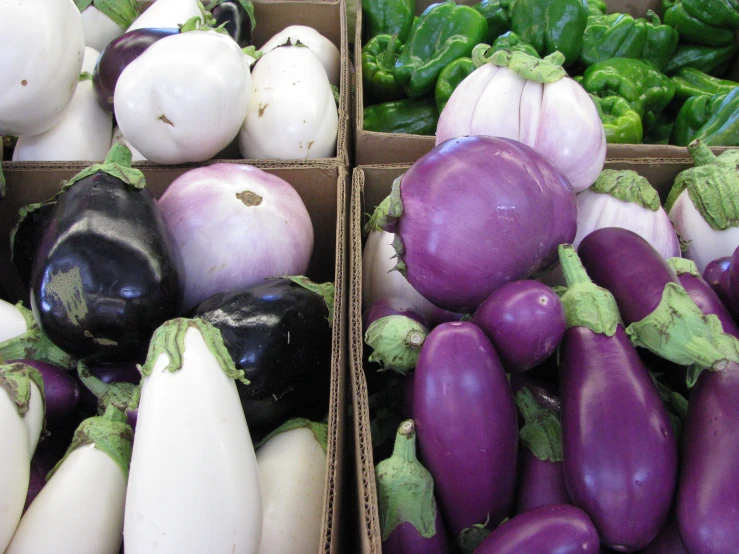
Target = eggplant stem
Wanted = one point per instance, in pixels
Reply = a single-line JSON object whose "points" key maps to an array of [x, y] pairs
{"points": [[405, 441], [701, 153], [574, 272], [95, 385]]}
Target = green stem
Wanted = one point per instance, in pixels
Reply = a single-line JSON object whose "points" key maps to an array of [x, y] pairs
{"points": [[96, 386], [542, 431], [572, 268], [387, 57], [113, 413], [34, 344], [405, 441], [701, 153]]}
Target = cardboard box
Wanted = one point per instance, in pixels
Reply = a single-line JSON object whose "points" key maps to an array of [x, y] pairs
{"points": [[323, 188], [370, 185], [390, 148]]}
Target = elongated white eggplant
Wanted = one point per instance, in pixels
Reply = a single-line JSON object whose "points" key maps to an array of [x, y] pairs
{"points": [[80, 510], [194, 483], [324, 49], [105, 20], [292, 471]]}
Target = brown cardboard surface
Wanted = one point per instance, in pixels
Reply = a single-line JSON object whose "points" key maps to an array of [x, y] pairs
{"points": [[323, 188], [370, 185]]}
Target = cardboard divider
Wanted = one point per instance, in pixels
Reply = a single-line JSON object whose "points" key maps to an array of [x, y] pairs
{"points": [[323, 188]]}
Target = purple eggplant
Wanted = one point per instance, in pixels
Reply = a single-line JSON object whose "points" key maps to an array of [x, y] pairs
{"points": [[236, 20], [541, 475], [391, 306], [717, 274], [409, 519], [61, 391], [620, 452], [525, 322], [42, 463], [545, 393], [395, 332], [466, 419], [708, 493], [558, 528], [667, 542], [462, 230]]}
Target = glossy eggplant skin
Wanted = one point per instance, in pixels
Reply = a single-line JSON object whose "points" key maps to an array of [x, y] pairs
{"points": [[548, 529], [708, 301], [541, 482], [391, 306], [405, 539], [107, 271], [667, 542], [620, 452], [116, 57], [707, 500], [27, 239], [238, 24], [278, 333], [717, 274]]}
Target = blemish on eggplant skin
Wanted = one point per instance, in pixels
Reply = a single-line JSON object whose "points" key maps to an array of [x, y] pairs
{"points": [[24, 83], [261, 109], [166, 120], [249, 198], [67, 288]]}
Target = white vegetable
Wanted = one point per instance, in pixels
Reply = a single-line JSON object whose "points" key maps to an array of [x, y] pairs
{"points": [[292, 112], [82, 134], [43, 46], [292, 471], [166, 14], [12, 322], [324, 49], [185, 98], [105, 20], [194, 483], [118, 137]]}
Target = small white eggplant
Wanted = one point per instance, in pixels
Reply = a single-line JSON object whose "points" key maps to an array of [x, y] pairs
{"points": [[324, 49], [43, 47], [166, 14], [83, 133], [21, 423], [292, 471], [119, 138], [292, 112], [105, 20], [194, 482], [80, 509], [185, 98]]}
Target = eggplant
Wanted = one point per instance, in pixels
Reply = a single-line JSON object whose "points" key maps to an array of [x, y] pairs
{"points": [[279, 333], [61, 391], [121, 395], [26, 237], [107, 271], [667, 542], [717, 274], [545, 393], [385, 307], [238, 22], [466, 420], [557, 528], [108, 374], [620, 452], [395, 331]]}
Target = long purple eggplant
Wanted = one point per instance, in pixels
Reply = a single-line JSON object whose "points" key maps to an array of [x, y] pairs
{"points": [[708, 492], [559, 529], [396, 332], [525, 322], [667, 542], [409, 519], [620, 452], [466, 419], [541, 477]]}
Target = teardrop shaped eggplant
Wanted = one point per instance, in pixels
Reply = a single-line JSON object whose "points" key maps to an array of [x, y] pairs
{"points": [[279, 334], [107, 271]]}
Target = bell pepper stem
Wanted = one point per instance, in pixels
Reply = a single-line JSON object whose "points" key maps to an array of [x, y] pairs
{"points": [[387, 58]]}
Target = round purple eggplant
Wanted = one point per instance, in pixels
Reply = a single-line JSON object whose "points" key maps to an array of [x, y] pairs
{"points": [[525, 322], [61, 391], [395, 332], [667, 542], [391, 306], [708, 497], [552, 529], [466, 419]]}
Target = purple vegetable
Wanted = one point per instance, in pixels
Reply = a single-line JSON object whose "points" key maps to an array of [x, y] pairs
{"points": [[118, 393], [391, 306], [620, 452], [466, 420], [462, 229], [707, 499], [525, 322], [109, 374], [60, 390], [395, 332], [41, 464], [545, 393], [667, 542], [559, 529]]}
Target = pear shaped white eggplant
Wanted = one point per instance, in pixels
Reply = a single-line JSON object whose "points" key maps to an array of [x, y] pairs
{"points": [[323, 48], [105, 20]]}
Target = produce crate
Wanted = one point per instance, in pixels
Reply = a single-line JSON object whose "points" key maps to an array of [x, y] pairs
{"points": [[370, 185], [323, 188], [393, 148]]}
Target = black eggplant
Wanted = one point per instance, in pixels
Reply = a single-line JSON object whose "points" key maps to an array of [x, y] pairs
{"points": [[107, 271], [238, 16], [26, 237], [279, 333]]}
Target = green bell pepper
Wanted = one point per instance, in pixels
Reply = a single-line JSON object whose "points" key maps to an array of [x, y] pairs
{"points": [[692, 116], [662, 41], [617, 35], [596, 7], [722, 126], [511, 41], [496, 14], [709, 59], [707, 22], [378, 60], [621, 122], [660, 133], [450, 77], [387, 17], [551, 26], [638, 81], [693, 82], [444, 32], [415, 116]]}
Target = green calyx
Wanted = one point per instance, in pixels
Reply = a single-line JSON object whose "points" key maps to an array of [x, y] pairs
{"points": [[542, 431], [121, 396], [85, 76], [109, 433], [252, 52], [472, 537], [16, 379], [324, 290], [34, 344], [121, 12], [247, 6], [683, 265], [586, 304], [117, 164], [546, 70], [713, 186], [202, 22], [169, 339], [396, 341], [405, 488], [319, 430], [387, 213], [627, 186]]}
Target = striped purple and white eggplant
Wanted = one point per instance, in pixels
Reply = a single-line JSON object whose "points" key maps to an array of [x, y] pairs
{"points": [[620, 452]]}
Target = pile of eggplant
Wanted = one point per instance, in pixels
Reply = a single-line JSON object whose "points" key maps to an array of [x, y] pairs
{"points": [[169, 386], [553, 381]]}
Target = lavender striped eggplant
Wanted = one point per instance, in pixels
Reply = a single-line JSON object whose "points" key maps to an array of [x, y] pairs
{"points": [[466, 419], [395, 331], [620, 452], [553, 529]]}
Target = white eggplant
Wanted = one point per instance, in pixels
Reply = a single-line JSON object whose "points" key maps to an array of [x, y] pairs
{"points": [[43, 46], [185, 98], [292, 471], [292, 113], [21, 423], [82, 134], [166, 14], [324, 49], [119, 138], [105, 20], [12, 321], [194, 482], [80, 509]]}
